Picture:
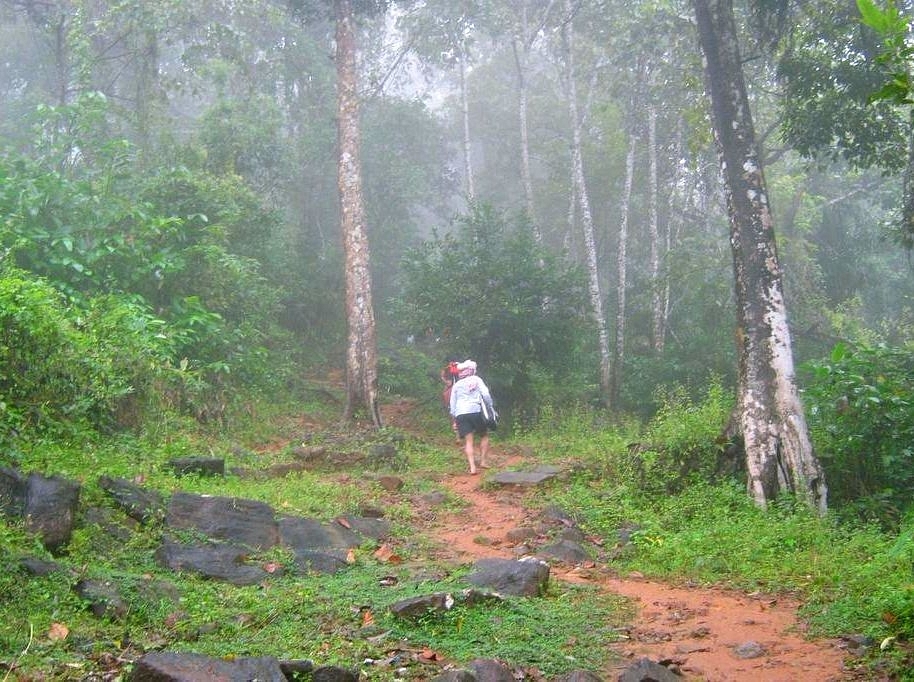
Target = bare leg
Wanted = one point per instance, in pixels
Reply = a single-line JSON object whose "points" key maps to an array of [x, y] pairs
{"points": [[484, 451], [468, 448]]}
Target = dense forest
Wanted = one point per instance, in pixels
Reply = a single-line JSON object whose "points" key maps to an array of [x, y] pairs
{"points": [[611, 206]]}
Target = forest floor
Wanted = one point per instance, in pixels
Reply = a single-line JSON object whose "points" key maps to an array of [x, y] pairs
{"points": [[694, 629]]}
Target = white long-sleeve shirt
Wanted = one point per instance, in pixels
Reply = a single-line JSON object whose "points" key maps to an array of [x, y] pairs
{"points": [[467, 394]]}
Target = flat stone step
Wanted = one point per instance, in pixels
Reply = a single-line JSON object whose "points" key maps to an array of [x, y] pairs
{"points": [[526, 478]]}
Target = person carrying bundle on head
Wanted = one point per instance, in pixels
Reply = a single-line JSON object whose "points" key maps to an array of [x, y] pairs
{"points": [[470, 403]]}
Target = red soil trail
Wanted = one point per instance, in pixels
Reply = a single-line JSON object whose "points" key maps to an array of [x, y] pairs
{"points": [[696, 629]]}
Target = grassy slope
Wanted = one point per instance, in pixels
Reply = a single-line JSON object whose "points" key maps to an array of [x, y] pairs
{"points": [[856, 580]]}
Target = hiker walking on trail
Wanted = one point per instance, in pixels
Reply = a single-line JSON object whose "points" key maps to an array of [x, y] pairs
{"points": [[467, 397]]}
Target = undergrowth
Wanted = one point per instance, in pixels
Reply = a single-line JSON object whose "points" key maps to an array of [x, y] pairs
{"points": [[665, 516]]}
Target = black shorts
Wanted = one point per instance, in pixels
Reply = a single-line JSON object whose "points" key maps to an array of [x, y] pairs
{"points": [[472, 422]]}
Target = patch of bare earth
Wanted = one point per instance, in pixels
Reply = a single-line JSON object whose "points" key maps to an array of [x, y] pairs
{"points": [[706, 634]]}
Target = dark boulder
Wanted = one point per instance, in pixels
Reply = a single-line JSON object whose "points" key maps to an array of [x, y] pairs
{"points": [[140, 504], [524, 578], [490, 670], [189, 667], [214, 560], [646, 670], [319, 547], [239, 521], [565, 551], [50, 509], [103, 597]]}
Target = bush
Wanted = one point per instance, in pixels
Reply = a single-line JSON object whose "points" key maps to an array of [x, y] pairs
{"points": [[60, 363], [683, 441], [861, 417], [491, 293]]}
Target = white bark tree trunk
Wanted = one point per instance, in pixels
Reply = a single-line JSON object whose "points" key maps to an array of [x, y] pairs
{"points": [[361, 355], [580, 188], [467, 143], [618, 359], [522, 44], [779, 455], [658, 332]]}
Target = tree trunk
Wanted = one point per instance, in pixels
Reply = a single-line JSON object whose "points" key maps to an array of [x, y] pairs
{"points": [[618, 359], [658, 333], [465, 114], [521, 44], [779, 455], [362, 354], [520, 60], [676, 203], [579, 186]]}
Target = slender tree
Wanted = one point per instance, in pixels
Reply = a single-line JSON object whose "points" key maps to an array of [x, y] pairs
{"points": [[361, 352], [779, 453], [524, 35], [618, 356], [658, 316], [579, 191]]}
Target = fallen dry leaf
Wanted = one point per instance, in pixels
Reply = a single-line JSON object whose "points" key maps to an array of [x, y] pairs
{"points": [[429, 655], [58, 632], [386, 554]]}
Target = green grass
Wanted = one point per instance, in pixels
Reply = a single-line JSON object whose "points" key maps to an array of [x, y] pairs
{"points": [[852, 579]]}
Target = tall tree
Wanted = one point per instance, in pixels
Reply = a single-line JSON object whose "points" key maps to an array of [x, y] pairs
{"points": [[618, 355], [523, 37], [779, 453], [658, 312], [442, 32], [362, 351], [580, 196]]}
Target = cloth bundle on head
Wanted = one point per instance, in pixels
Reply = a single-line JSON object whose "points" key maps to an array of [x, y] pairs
{"points": [[466, 368]]}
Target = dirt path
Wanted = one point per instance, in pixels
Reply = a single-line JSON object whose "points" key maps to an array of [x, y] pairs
{"points": [[695, 629]]}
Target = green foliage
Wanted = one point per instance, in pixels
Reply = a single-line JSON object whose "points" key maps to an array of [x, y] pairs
{"points": [[862, 424], [240, 137], [685, 440], [410, 372], [59, 364], [896, 54], [489, 292], [156, 248], [680, 445], [829, 77]]}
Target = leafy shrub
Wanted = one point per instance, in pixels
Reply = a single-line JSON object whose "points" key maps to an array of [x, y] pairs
{"points": [[861, 417], [63, 363], [488, 291], [683, 440], [160, 244]]}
